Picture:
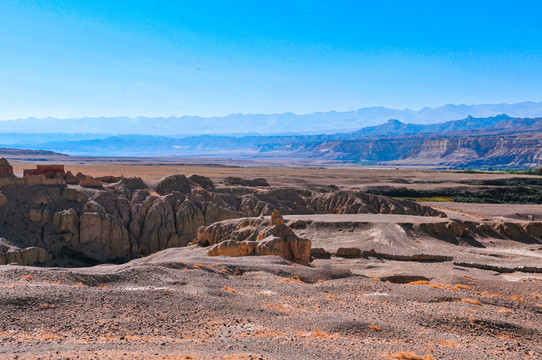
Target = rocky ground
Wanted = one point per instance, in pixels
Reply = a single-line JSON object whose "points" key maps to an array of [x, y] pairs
{"points": [[387, 279], [180, 303]]}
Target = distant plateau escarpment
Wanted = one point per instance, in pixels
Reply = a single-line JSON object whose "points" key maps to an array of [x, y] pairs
{"points": [[499, 141]]}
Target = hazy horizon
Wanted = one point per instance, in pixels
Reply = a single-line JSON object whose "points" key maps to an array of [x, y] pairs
{"points": [[262, 124], [419, 109]]}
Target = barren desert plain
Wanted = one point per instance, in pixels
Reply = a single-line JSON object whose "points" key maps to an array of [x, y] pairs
{"points": [[344, 273]]}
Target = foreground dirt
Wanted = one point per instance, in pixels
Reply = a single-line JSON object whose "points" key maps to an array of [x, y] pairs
{"points": [[180, 303]]}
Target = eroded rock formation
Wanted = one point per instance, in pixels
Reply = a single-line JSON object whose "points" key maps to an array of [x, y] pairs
{"points": [[349, 202], [131, 218], [11, 254], [245, 237]]}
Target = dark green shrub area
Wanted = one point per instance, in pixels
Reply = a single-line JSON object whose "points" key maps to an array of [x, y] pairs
{"points": [[486, 195], [508, 182], [537, 171], [404, 192], [501, 170], [503, 195]]}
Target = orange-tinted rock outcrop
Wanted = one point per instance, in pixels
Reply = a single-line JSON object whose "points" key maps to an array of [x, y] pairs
{"points": [[255, 237]]}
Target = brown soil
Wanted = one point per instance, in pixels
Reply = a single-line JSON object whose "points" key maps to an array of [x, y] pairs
{"points": [[277, 173], [181, 304]]}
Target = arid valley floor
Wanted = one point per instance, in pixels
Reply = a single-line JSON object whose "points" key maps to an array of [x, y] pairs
{"points": [[387, 278]]}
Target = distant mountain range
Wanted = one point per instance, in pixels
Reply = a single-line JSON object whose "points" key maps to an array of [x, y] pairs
{"points": [[244, 124], [376, 136], [501, 141]]}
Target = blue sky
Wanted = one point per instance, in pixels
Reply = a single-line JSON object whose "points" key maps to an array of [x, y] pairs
{"points": [[161, 58]]}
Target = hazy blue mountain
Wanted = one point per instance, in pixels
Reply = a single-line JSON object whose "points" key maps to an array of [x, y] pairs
{"points": [[30, 139], [286, 123], [396, 127], [357, 145]]}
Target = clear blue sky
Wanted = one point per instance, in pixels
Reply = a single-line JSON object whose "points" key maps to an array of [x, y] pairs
{"points": [[160, 58]]}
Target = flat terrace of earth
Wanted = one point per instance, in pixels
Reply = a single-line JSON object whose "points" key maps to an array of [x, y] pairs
{"points": [[150, 169]]}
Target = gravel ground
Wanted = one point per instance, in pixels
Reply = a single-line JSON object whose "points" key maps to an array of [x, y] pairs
{"points": [[181, 304]]}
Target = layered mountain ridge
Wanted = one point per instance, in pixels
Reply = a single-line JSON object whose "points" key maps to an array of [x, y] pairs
{"points": [[263, 124], [501, 141]]}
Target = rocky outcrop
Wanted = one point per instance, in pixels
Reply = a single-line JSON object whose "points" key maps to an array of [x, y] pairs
{"points": [[245, 237], [529, 232], [501, 269], [287, 201], [74, 195], [125, 219], [203, 181], [349, 202], [276, 218], [320, 253], [414, 257], [230, 180], [476, 151], [126, 186], [70, 178], [298, 224], [3, 199], [110, 179], [173, 183], [10, 254], [348, 252]]}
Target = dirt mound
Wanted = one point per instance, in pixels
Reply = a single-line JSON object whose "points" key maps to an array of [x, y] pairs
{"points": [[169, 184], [131, 183], [203, 181], [195, 257], [126, 186], [285, 200], [230, 180]]}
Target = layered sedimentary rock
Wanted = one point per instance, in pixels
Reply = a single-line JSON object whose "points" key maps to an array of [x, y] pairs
{"points": [[131, 218], [453, 150]]}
